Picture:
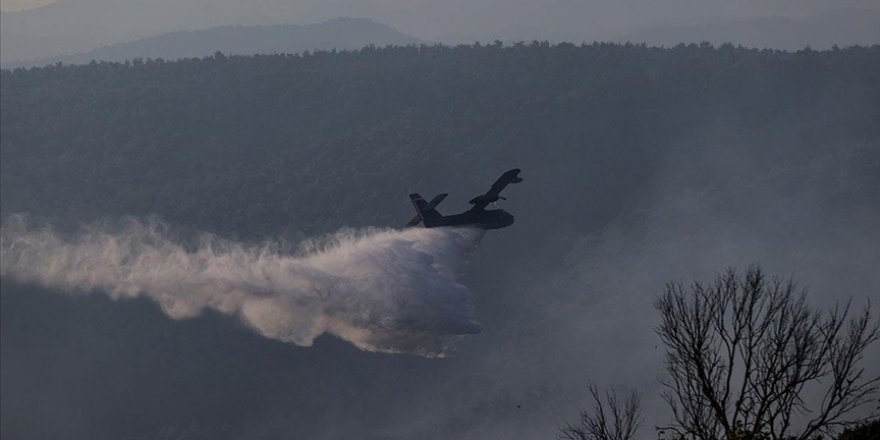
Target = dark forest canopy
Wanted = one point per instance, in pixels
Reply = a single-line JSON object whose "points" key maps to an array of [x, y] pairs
{"points": [[338, 138], [641, 165]]}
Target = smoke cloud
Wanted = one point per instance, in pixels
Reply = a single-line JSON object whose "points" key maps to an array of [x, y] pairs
{"points": [[382, 290]]}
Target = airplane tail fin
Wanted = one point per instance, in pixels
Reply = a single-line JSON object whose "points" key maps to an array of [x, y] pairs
{"points": [[430, 217]]}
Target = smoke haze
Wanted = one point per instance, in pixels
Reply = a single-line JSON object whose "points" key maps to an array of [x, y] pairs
{"points": [[642, 166], [382, 290]]}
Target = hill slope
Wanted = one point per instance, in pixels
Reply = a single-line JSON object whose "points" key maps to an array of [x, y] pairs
{"points": [[641, 165]]}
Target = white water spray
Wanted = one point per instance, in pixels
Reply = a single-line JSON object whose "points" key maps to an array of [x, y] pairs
{"points": [[382, 290]]}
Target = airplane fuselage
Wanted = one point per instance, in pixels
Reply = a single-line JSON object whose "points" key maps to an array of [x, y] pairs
{"points": [[484, 219]]}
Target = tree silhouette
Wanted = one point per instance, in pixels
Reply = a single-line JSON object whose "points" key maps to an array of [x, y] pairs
{"points": [[742, 351], [611, 419]]}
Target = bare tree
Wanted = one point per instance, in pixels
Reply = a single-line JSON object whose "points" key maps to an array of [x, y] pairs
{"points": [[611, 419], [741, 351]]}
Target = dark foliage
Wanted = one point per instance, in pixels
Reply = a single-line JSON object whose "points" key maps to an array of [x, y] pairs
{"points": [[252, 145], [866, 431]]}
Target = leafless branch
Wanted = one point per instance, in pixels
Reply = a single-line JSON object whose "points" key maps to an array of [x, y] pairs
{"points": [[610, 418], [741, 350]]}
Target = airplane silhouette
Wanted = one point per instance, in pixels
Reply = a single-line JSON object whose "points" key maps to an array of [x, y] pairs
{"points": [[478, 216]]}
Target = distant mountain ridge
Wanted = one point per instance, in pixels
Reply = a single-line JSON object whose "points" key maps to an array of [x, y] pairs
{"points": [[72, 26], [339, 33]]}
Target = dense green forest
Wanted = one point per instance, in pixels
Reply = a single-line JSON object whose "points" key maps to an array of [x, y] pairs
{"points": [[641, 164]]}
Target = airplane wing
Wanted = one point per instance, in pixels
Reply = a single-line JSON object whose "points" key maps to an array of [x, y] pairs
{"points": [[480, 202], [431, 205]]}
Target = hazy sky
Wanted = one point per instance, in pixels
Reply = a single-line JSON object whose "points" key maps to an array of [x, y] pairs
{"points": [[17, 5], [563, 13], [74, 26]]}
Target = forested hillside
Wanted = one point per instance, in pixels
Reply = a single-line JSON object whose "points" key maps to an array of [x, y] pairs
{"points": [[640, 165], [256, 144]]}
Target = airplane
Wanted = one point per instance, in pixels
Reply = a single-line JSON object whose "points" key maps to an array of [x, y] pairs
{"points": [[478, 216]]}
